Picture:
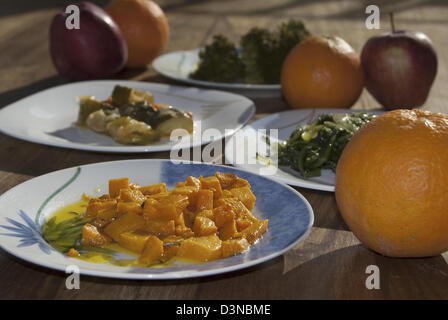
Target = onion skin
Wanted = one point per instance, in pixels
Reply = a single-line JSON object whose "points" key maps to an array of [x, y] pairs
{"points": [[96, 50]]}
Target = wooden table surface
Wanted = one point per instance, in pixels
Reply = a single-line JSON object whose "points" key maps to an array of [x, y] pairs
{"points": [[330, 264]]}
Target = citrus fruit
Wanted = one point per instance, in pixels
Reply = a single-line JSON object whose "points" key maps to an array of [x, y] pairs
{"points": [[392, 184], [322, 72], [144, 27]]}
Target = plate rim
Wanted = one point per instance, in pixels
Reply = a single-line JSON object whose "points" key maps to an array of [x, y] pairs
{"points": [[220, 85], [126, 148], [170, 275], [297, 183]]}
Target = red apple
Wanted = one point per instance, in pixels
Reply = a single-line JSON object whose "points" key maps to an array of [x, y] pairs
{"points": [[399, 68], [96, 50]]}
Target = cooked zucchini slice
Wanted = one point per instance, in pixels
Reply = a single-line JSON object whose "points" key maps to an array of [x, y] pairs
{"points": [[126, 130]]}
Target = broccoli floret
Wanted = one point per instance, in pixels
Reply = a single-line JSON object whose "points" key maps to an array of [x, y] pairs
{"points": [[219, 62], [256, 54], [263, 52]]}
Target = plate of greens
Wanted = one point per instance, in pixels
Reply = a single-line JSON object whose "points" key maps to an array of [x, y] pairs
{"points": [[253, 64], [297, 147]]}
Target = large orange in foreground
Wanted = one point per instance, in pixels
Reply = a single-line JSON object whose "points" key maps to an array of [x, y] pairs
{"points": [[392, 184], [322, 72], [144, 27]]}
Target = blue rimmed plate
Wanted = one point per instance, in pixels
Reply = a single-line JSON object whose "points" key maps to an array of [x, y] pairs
{"points": [[24, 209]]}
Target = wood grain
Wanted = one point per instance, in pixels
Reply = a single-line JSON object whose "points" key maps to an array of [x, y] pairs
{"points": [[330, 264]]}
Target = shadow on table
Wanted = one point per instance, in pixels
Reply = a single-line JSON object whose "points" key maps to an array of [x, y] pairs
{"points": [[341, 274]]}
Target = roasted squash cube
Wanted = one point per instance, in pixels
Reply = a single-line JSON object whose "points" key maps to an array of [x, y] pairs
{"points": [[189, 191], [160, 227], [223, 214], [242, 224], [228, 230], [167, 208], [201, 248], [131, 196], [158, 196], [134, 240], [180, 220], [124, 223], [192, 181], [234, 247], [154, 189], [240, 183], [153, 251], [245, 196], [115, 185], [170, 252], [255, 231], [96, 205], [107, 214], [225, 179], [212, 183], [92, 237], [204, 200], [204, 226], [240, 210], [184, 232], [129, 208], [206, 213]]}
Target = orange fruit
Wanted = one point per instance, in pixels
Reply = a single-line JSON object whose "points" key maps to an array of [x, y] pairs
{"points": [[144, 27], [392, 184], [322, 72]]}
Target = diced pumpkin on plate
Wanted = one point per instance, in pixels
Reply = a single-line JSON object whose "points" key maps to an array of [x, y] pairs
{"points": [[240, 183], [193, 181], [245, 195], [131, 196], [115, 185], [153, 251], [160, 227], [234, 247], [124, 223], [167, 208], [204, 226], [201, 248], [129, 208], [223, 214], [154, 189], [95, 205], [107, 214], [228, 230], [255, 231], [236, 206], [92, 237], [242, 224], [134, 240], [212, 183], [204, 200], [189, 191], [206, 213], [184, 232], [225, 179]]}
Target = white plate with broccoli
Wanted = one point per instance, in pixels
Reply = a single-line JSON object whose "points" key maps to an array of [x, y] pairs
{"points": [[252, 64], [180, 64], [305, 148]]}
